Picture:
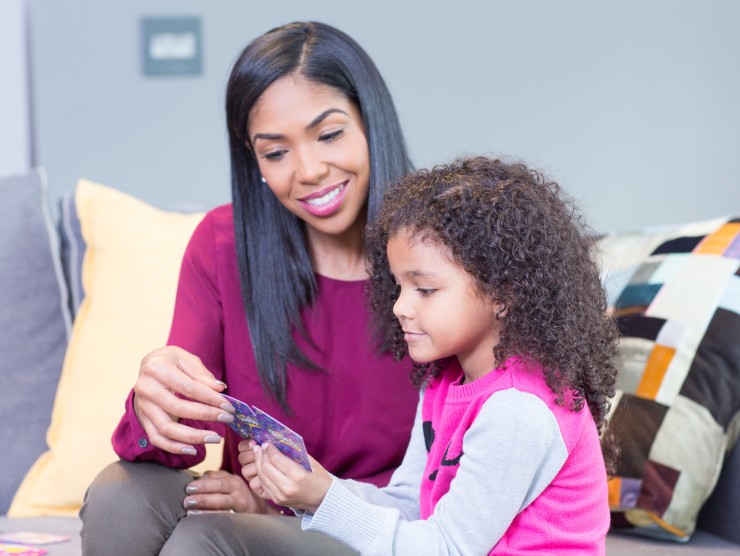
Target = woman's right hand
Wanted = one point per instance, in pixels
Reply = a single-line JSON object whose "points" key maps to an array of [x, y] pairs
{"points": [[164, 373]]}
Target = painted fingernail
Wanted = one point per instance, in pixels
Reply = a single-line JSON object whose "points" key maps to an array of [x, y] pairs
{"points": [[225, 418], [189, 450], [191, 489], [190, 502], [219, 383], [194, 512], [227, 407], [212, 439]]}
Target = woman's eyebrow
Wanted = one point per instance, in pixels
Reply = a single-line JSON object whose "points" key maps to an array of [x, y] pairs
{"points": [[268, 137], [321, 117], [316, 121]]}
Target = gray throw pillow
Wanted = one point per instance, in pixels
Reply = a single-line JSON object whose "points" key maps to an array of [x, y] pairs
{"points": [[34, 326], [72, 250]]}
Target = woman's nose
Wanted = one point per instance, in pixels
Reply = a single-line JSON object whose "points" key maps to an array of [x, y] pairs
{"points": [[310, 168]]}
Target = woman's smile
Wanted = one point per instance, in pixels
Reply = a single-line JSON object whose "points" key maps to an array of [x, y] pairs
{"points": [[326, 201]]}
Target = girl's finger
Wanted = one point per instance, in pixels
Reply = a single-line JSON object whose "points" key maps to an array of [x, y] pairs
{"points": [[264, 472], [256, 487], [249, 471], [283, 463], [245, 451]]}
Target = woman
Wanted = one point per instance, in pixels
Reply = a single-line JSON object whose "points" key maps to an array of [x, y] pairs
{"points": [[314, 141]]}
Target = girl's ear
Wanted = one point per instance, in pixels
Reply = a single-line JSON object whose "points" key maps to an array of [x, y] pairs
{"points": [[500, 310]]}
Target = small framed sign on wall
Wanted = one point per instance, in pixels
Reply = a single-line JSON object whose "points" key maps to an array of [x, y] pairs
{"points": [[171, 46]]}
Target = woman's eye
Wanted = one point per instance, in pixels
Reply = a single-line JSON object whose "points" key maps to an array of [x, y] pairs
{"points": [[331, 136], [274, 155]]}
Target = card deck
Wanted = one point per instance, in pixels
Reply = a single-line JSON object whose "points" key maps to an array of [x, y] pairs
{"points": [[251, 422], [31, 537], [12, 549]]}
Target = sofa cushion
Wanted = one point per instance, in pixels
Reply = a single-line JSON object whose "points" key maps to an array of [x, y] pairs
{"points": [[676, 294], [721, 513], [129, 276], [34, 325], [66, 526], [701, 544]]}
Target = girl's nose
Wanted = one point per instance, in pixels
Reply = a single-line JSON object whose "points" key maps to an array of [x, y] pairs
{"points": [[401, 308]]}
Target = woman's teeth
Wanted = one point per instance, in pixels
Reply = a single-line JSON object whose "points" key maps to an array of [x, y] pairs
{"points": [[324, 199]]}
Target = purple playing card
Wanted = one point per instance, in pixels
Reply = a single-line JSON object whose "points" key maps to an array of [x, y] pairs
{"points": [[284, 439], [263, 428], [245, 422]]}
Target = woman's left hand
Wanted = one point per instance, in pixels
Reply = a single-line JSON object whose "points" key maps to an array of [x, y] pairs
{"points": [[221, 491], [287, 483]]}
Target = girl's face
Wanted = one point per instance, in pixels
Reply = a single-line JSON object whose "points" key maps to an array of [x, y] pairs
{"points": [[310, 144], [439, 307]]}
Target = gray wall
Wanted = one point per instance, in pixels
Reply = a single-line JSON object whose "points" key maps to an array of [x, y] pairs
{"points": [[15, 124], [632, 106]]}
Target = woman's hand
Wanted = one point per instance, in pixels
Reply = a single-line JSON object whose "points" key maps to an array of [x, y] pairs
{"points": [[164, 373], [221, 491], [274, 476]]}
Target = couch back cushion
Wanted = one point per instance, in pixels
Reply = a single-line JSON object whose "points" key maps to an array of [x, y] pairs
{"points": [[34, 323]]}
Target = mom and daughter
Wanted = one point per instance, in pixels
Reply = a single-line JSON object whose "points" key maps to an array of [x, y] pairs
{"points": [[439, 338]]}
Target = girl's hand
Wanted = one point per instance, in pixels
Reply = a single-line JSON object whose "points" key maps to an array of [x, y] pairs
{"points": [[285, 482], [220, 491], [249, 467], [246, 459], [164, 373]]}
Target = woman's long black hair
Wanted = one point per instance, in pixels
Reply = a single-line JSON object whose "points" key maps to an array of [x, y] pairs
{"points": [[275, 270]]}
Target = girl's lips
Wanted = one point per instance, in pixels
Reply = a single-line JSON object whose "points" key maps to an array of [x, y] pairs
{"points": [[325, 202], [411, 336]]}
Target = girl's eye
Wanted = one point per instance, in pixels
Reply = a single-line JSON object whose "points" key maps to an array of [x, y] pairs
{"points": [[425, 292], [331, 136], [274, 155]]}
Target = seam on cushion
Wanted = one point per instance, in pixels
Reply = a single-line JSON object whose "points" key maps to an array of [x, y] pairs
{"points": [[73, 269], [54, 252]]}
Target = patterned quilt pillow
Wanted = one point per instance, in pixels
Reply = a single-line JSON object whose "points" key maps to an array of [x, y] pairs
{"points": [[676, 294]]}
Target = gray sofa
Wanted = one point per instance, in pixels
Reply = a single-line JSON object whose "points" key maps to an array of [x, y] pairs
{"points": [[34, 329], [38, 301]]}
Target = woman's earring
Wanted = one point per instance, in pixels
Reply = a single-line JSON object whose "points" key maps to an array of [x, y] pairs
{"points": [[263, 179]]}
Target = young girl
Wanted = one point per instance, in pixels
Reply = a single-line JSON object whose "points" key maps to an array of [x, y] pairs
{"points": [[481, 272]]}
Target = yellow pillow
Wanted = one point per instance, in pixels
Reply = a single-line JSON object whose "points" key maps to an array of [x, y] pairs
{"points": [[129, 275]]}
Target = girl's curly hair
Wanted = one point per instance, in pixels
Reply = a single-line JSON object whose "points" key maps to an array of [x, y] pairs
{"points": [[528, 248]]}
